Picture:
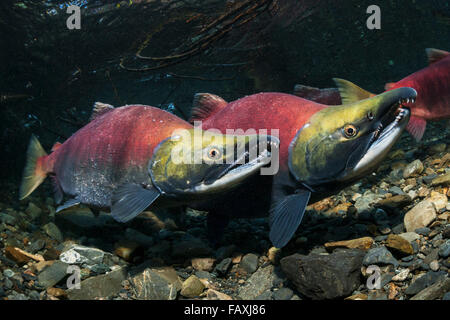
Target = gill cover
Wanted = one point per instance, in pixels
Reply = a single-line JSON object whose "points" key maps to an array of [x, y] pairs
{"points": [[193, 160], [336, 138]]}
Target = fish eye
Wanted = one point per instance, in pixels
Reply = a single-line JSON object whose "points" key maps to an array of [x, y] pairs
{"points": [[370, 116], [350, 131], [214, 153]]}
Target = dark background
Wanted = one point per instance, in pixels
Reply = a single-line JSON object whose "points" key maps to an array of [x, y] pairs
{"points": [[283, 43]]}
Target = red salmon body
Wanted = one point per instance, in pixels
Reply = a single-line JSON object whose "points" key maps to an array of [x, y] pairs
{"points": [[111, 150], [284, 112]]}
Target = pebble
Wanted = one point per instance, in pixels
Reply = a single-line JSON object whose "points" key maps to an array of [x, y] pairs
{"points": [[439, 200], [259, 282], [249, 262], [444, 249], [409, 236], [434, 265], [52, 274], [203, 264], [192, 287], [413, 169], [443, 180], [420, 216], [360, 243], [424, 281], [99, 287], [399, 244], [222, 268], [216, 295], [401, 276], [283, 294], [33, 211], [379, 255], [53, 231]]}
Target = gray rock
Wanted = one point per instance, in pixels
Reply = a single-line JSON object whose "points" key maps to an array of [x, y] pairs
{"points": [[267, 295], [435, 291], [283, 294], [36, 246], [365, 202], [423, 231], [379, 256], [444, 249], [53, 231], [8, 273], [190, 248], [102, 286], [156, 284], [249, 262], [396, 190], [33, 211], [225, 252], [138, 237], [83, 256], [8, 219], [446, 296], [325, 276], [409, 236], [222, 267], [259, 282], [424, 281], [52, 274]]}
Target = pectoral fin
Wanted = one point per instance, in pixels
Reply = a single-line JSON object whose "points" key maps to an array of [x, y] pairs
{"points": [[416, 127], [69, 203], [130, 200], [286, 216], [435, 55]]}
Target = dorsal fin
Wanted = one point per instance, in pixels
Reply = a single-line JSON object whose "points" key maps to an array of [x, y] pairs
{"points": [[350, 92], [56, 146], [435, 55], [205, 105], [389, 86], [305, 91], [99, 109]]}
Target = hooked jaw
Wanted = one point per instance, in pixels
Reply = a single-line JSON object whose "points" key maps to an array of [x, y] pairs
{"points": [[257, 154], [393, 120]]}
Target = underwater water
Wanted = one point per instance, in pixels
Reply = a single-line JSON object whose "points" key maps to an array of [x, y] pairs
{"points": [[393, 214]]}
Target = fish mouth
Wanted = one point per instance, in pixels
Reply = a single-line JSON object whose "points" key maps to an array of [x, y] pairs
{"points": [[255, 156], [390, 127]]}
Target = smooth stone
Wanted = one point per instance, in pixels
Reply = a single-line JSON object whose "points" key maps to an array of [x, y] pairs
{"points": [[399, 244], [101, 286], [423, 231], [33, 211], [379, 255], [444, 249], [401, 276], [8, 219], [52, 274], [81, 255], [413, 169], [53, 231], [203, 264], [192, 287], [409, 236], [249, 262], [420, 216], [434, 265], [216, 295], [258, 283], [325, 276], [283, 294], [439, 200]]}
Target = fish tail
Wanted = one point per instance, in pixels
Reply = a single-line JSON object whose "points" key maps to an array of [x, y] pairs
{"points": [[34, 173]]}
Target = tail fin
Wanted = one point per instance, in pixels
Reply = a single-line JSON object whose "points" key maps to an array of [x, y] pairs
{"points": [[33, 174]]}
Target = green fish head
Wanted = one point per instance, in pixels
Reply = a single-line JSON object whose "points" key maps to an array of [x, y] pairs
{"points": [[197, 162], [342, 143]]}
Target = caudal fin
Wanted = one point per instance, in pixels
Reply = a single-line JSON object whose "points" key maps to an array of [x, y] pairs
{"points": [[33, 174]]}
